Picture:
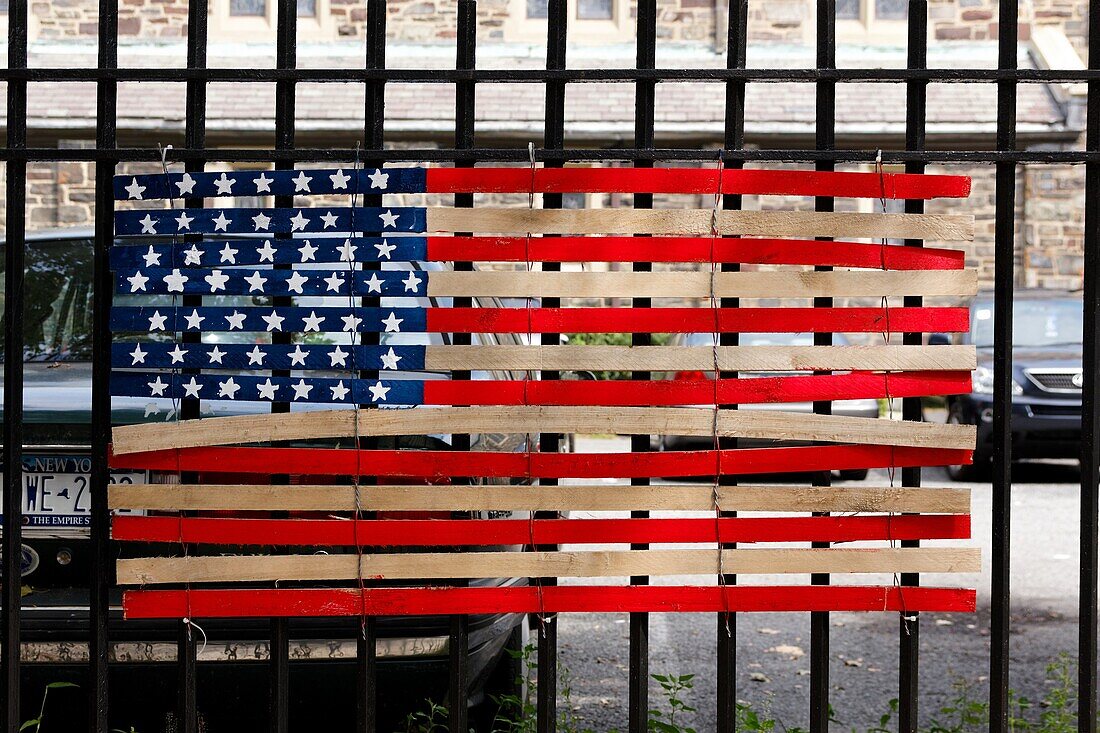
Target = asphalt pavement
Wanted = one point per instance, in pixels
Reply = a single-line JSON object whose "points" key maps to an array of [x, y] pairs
{"points": [[773, 649]]}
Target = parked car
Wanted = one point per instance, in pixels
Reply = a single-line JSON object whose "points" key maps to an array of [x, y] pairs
{"points": [[412, 651], [868, 408], [1046, 379]]}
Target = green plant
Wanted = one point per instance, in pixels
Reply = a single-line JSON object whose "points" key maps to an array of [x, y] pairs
{"points": [[674, 688], [517, 713], [37, 722], [432, 720]]}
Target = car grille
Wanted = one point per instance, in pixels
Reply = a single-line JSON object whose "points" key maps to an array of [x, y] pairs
{"points": [[1060, 381]]}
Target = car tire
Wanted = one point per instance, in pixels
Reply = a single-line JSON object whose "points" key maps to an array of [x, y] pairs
{"points": [[981, 467], [507, 679], [854, 474]]}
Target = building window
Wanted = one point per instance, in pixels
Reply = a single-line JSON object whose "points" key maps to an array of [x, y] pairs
{"points": [[3, 6], [589, 20], [595, 10], [871, 20], [256, 19], [538, 9]]}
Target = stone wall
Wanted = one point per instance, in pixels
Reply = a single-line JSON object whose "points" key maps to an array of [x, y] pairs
{"points": [[59, 19]]}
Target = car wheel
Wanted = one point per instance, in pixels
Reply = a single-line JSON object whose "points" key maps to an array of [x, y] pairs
{"points": [[979, 470], [854, 474], [506, 686]]}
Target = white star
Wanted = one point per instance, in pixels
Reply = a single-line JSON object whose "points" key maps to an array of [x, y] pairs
{"points": [[412, 282], [194, 320], [148, 225], [334, 282], [192, 256], [301, 389], [347, 251], [255, 281], [191, 389], [378, 179], [390, 359], [298, 356], [137, 282], [389, 219], [339, 392], [307, 251], [374, 285], [329, 219], [135, 190], [151, 257], [267, 390], [378, 392], [183, 221], [261, 221], [263, 183], [175, 281], [274, 321], [312, 322], [256, 356], [301, 182], [217, 280], [351, 323], [338, 356], [228, 388], [296, 281], [267, 252], [216, 355], [340, 180], [156, 321], [235, 321], [393, 323], [225, 185], [384, 249], [228, 254], [157, 387], [221, 224], [177, 354], [138, 355], [298, 222], [186, 184]]}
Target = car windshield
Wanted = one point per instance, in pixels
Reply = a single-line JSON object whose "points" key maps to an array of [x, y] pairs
{"points": [[1035, 323], [57, 311]]}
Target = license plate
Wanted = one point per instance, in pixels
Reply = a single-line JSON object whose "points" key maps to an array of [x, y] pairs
{"points": [[56, 495]]}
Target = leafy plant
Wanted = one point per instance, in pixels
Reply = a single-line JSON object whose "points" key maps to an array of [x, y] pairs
{"points": [[432, 720], [517, 713], [36, 723], [675, 689]]}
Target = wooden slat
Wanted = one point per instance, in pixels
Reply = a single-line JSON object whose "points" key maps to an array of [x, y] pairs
{"points": [[788, 284], [689, 421], [588, 564], [698, 221], [701, 358], [433, 601], [597, 497]]}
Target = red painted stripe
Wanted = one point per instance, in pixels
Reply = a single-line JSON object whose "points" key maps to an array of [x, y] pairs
{"points": [[743, 391], [429, 465], [694, 249], [695, 320], [526, 599], [697, 181], [481, 532]]}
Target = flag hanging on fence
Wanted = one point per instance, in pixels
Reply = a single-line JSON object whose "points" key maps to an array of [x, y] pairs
{"points": [[337, 308]]}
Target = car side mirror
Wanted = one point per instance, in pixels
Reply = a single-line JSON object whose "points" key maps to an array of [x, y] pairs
{"points": [[939, 339]]}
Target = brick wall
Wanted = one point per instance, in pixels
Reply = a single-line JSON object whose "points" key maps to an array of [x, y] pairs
{"points": [[58, 19]]}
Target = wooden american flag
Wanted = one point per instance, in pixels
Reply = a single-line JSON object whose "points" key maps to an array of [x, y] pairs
{"points": [[304, 255]]}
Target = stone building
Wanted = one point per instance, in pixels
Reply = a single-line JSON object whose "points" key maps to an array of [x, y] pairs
{"points": [[691, 33]]}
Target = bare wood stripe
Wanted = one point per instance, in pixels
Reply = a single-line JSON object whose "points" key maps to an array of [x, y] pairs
{"points": [[791, 284], [701, 358], [589, 564], [698, 221], [689, 421], [597, 497]]}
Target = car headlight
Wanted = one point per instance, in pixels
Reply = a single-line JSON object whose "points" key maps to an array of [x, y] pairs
{"points": [[982, 382]]}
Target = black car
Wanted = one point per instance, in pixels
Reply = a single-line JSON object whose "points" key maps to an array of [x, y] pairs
{"points": [[1046, 379], [412, 652]]}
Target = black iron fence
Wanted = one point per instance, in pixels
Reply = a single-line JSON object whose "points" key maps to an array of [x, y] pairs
{"points": [[555, 78]]}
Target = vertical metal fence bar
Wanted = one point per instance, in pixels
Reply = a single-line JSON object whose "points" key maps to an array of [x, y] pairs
{"points": [[101, 563], [1090, 404], [465, 58], [916, 93], [733, 139], [286, 39], [825, 140], [374, 119], [557, 28], [644, 112], [13, 369], [1003, 279]]}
